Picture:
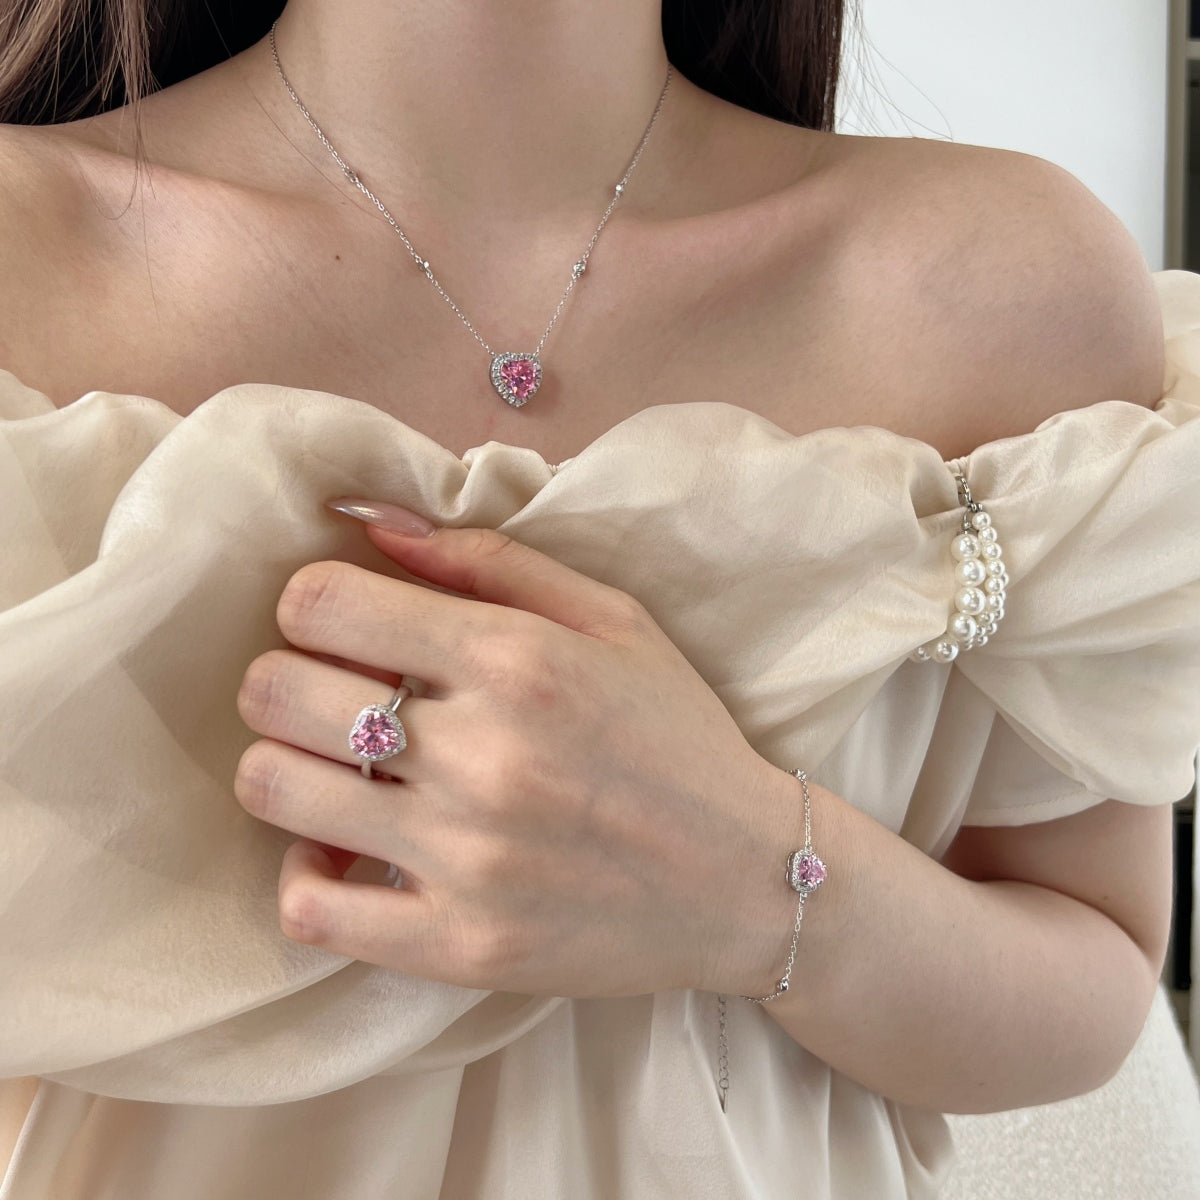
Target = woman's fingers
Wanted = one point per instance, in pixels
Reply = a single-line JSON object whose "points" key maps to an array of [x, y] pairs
{"points": [[511, 591], [295, 698], [335, 660], [313, 896], [330, 803], [408, 931], [340, 609], [303, 777], [493, 567]]}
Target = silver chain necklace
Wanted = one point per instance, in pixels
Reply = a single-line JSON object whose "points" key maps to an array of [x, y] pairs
{"points": [[515, 376]]}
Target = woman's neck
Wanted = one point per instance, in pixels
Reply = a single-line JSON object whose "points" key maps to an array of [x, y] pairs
{"points": [[521, 108]]}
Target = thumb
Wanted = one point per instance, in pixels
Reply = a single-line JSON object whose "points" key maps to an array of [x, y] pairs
{"points": [[491, 566]]}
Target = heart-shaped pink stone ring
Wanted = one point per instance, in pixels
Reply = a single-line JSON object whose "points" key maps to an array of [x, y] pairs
{"points": [[377, 733]]}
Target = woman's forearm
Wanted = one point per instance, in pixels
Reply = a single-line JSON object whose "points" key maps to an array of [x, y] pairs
{"points": [[940, 991]]}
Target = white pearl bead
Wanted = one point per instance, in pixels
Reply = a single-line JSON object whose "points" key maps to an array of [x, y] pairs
{"points": [[970, 601], [966, 545], [945, 651], [983, 577], [963, 626], [970, 572]]}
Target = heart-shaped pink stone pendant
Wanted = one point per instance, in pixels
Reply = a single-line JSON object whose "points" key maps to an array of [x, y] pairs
{"points": [[516, 376]]}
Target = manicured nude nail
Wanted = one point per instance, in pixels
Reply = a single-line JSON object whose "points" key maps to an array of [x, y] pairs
{"points": [[386, 516]]}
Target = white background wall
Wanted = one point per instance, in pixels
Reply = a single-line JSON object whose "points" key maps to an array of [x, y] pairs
{"points": [[1080, 82]]}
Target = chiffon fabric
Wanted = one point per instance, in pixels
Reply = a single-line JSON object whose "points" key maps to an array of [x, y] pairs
{"points": [[160, 1037]]}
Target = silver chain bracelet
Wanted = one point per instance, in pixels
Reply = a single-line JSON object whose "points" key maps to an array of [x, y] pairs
{"points": [[805, 872]]}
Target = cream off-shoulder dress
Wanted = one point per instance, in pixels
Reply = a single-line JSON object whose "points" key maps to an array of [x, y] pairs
{"points": [[162, 1040]]}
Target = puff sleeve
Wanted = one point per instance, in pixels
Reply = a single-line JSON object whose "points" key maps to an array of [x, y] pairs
{"points": [[1096, 668]]}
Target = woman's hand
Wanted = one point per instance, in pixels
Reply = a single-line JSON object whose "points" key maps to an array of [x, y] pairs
{"points": [[575, 812]]}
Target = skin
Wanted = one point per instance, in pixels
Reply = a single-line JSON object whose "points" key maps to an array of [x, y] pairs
{"points": [[951, 293]]}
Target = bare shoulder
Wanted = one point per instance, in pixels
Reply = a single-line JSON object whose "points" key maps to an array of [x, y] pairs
{"points": [[28, 170], [41, 188], [30, 167], [54, 246], [998, 282], [39, 218]]}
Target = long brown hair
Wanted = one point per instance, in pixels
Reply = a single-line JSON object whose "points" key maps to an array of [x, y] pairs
{"points": [[65, 59]]}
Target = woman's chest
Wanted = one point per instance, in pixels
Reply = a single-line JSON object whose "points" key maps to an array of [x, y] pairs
{"points": [[197, 293], [188, 328]]}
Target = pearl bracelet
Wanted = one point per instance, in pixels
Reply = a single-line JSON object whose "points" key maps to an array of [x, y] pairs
{"points": [[982, 577]]}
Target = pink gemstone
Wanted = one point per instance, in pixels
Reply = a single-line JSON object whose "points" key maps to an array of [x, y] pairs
{"points": [[807, 871], [520, 376], [375, 735]]}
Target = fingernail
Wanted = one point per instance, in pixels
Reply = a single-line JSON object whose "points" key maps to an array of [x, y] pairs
{"points": [[386, 516]]}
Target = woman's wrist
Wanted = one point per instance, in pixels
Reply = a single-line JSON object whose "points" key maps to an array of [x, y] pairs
{"points": [[944, 992], [754, 925]]}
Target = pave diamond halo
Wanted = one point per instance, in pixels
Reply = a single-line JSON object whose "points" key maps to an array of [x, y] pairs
{"points": [[516, 376], [805, 872]]}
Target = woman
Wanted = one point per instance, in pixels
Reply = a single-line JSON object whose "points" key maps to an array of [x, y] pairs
{"points": [[256, 946]]}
